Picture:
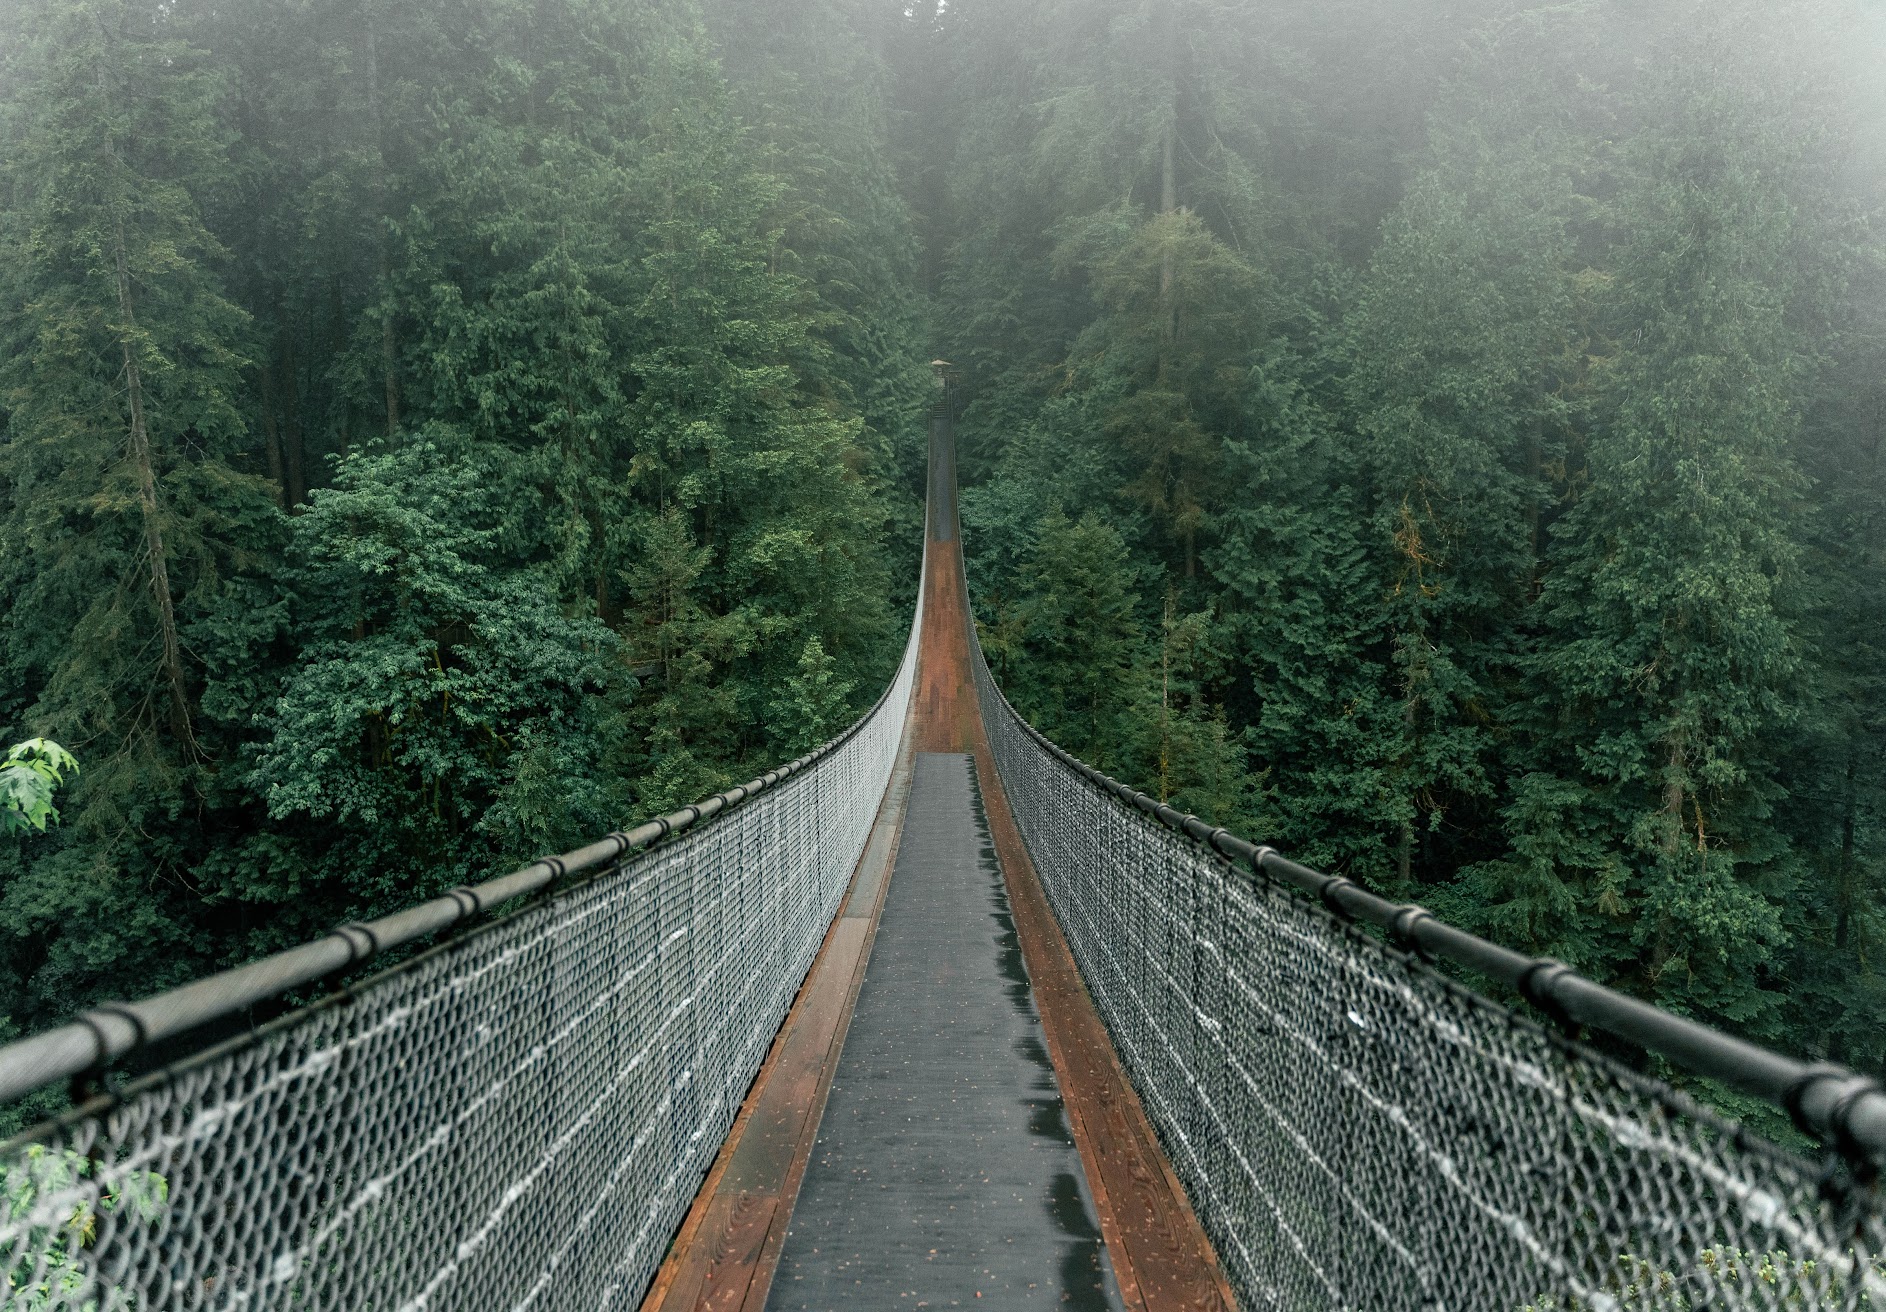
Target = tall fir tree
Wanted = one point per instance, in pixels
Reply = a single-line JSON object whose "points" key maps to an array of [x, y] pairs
{"points": [[140, 613]]}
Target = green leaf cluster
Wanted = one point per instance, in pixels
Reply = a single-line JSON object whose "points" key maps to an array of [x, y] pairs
{"points": [[49, 1270], [32, 773]]}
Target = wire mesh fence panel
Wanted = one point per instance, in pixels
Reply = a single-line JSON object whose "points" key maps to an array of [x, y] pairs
{"points": [[1358, 1131], [518, 1119]]}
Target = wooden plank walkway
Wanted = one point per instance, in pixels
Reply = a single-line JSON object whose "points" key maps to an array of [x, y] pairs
{"points": [[1151, 1254], [945, 1170]]}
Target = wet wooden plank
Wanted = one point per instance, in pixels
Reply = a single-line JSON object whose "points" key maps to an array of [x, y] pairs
{"points": [[740, 1237], [724, 1254], [945, 1170]]}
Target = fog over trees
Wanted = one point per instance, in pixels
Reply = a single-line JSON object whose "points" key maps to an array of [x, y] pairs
{"points": [[1446, 441], [1459, 434]]}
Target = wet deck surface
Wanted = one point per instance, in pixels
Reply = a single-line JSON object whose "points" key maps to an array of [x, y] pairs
{"points": [[945, 1130], [944, 1173]]}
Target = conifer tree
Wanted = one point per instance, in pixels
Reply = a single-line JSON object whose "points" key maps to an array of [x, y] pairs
{"points": [[1462, 385], [768, 482], [1082, 644], [810, 83], [138, 610], [1670, 658]]}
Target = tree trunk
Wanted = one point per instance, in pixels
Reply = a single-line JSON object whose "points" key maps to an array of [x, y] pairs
{"points": [[1168, 202], [1675, 782], [1535, 469], [294, 449], [1410, 723], [389, 345], [338, 336], [1844, 890], [271, 433], [1168, 180], [172, 651], [1165, 703], [281, 407]]}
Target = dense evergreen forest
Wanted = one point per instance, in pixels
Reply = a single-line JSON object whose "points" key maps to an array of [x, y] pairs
{"points": [[1444, 439], [1448, 441], [433, 434]]}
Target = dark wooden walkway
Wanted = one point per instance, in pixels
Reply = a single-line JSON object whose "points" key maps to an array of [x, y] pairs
{"points": [[976, 1106], [945, 1169]]}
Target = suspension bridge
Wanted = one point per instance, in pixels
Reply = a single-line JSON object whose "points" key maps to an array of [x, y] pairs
{"points": [[935, 1016]]}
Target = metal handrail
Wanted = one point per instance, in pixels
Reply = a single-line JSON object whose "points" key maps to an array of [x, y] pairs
{"points": [[1845, 1110], [110, 1031]]}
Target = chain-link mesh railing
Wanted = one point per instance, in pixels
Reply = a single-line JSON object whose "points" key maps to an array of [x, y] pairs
{"points": [[517, 1119], [1358, 1131], [520, 1117]]}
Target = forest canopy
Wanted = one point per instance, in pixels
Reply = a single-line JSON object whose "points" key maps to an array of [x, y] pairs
{"points": [[431, 435], [1447, 441]]}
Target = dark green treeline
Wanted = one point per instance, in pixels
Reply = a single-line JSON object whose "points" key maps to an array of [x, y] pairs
{"points": [[1449, 442], [432, 433]]}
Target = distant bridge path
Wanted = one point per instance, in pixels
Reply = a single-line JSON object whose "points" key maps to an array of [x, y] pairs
{"points": [[934, 1016]]}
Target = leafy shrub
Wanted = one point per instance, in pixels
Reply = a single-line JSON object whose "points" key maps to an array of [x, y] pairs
{"points": [[47, 1216], [1782, 1279], [33, 771]]}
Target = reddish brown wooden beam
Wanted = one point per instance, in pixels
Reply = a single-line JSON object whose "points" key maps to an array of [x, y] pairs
{"points": [[728, 1246]]}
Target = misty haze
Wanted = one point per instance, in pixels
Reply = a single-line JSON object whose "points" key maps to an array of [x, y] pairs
{"points": [[1184, 653]]}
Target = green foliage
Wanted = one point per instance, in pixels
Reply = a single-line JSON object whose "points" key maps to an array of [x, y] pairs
{"points": [[139, 607], [1069, 647], [49, 1274], [430, 435], [1079, 635], [33, 772], [1474, 489], [812, 704], [1778, 1278], [433, 670]]}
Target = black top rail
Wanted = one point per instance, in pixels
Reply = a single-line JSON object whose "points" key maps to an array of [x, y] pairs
{"points": [[110, 1031], [1844, 1110]]}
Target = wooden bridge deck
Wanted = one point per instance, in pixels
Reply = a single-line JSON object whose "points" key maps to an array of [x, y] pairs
{"points": [[944, 1130], [945, 1170]]}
